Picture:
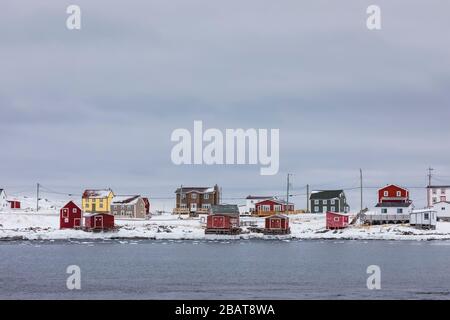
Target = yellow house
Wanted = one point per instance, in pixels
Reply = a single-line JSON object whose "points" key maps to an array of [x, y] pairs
{"points": [[97, 200]]}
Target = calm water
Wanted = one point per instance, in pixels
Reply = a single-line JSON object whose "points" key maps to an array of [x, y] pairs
{"points": [[225, 269]]}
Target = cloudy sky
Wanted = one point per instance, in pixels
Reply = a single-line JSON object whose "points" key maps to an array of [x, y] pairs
{"points": [[96, 107]]}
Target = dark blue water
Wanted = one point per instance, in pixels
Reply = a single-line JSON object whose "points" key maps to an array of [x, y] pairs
{"points": [[225, 270]]}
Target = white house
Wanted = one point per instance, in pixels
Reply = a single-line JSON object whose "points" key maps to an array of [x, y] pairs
{"points": [[389, 212], [3, 201], [443, 210], [251, 201], [437, 194], [423, 219]]}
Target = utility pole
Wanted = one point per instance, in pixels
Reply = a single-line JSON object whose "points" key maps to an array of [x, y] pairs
{"points": [[287, 193], [430, 175], [307, 199], [37, 197], [361, 187]]}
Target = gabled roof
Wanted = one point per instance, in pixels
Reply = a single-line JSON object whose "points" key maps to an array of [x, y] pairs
{"points": [[196, 189], [279, 201], [338, 213], [394, 205], [325, 194], [282, 216], [392, 185], [71, 203], [250, 197], [230, 209], [123, 199], [96, 193], [435, 187]]}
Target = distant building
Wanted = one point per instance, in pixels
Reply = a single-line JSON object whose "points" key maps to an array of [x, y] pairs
{"points": [[147, 205], [437, 194], [251, 201], [129, 207], [196, 199], [423, 219], [70, 216], [277, 225], [223, 219], [97, 200], [394, 206], [336, 220], [273, 206], [14, 204], [328, 200], [3, 200], [442, 210]]}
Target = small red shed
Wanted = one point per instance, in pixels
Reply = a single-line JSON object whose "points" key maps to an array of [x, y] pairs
{"points": [[277, 224], [336, 220], [14, 204], [223, 219], [70, 216], [98, 221]]}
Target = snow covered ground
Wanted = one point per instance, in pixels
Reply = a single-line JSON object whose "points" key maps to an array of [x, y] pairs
{"points": [[44, 225]]}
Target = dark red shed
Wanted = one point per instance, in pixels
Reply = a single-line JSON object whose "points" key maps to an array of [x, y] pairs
{"points": [[70, 216], [147, 205], [277, 224], [14, 204], [98, 222], [337, 220], [223, 219]]}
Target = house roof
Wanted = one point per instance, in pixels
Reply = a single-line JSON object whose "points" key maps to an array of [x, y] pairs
{"points": [[96, 193], [282, 216], [325, 194], [392, 185], [250, 197], [339, 213], [231, 209], [435, 186], [196, 189], [123, 199], [394, 205], [279, 201]]}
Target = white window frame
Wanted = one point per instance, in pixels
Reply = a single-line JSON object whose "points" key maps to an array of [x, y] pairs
{"points": [[333, 208], [386, 193], [193, 196], [206, 196], [316, 202]]}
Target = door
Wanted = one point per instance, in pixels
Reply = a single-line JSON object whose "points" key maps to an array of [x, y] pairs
{"points": [[76, 222], [98, 222], [275, 223], [193, 207], [218, 222]]}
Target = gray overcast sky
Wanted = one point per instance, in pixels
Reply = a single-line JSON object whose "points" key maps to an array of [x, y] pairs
{"points": [[96, 107]]}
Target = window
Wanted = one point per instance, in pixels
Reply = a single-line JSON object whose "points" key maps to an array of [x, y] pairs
{"points": [[426, 216], [442, 191], [193, 196], [101, 204], [206, 206], [384, 210], [325, 202], [277, 207], [74, 210], [434, 191], [333, 209], [399, 210], [316, 201], [336, 219], [183, 206], [265, 207], [434, 200], [443, 198], [399, 193], [206, 196], [65, 213], [316, 209], [86, 205], [333, 201]]}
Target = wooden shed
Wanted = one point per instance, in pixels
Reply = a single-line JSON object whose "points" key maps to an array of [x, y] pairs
{"points": [[223, 219], [99, 222], [336, 220], [277, 224], [70, 216]]}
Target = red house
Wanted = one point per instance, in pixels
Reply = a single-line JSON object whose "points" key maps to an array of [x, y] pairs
{"points": [[70, 216], [14, 204], [223, 219], [277, 224], [337, 220], [98, 222], [272, 206], [393, 193]]}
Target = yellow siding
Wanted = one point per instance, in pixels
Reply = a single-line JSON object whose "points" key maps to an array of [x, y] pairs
{"points": [[101, 205]]}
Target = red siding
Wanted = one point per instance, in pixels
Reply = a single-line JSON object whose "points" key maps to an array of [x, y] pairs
{"points": [[275, 222], [99, 221], [70, 216], [336, 221], [14, 204], [272, 204], [222, 221], [394, 194]]}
